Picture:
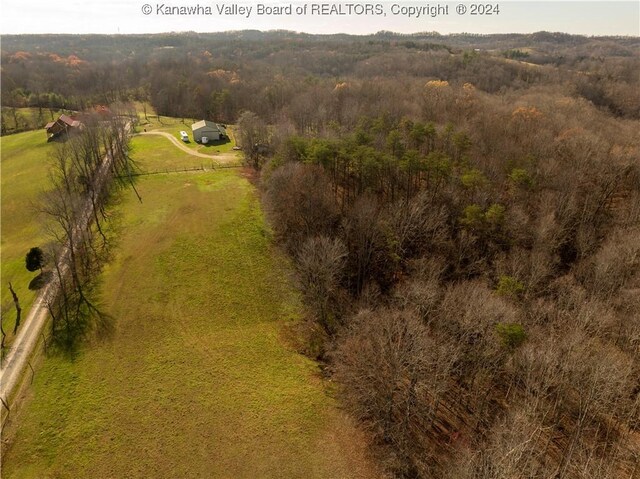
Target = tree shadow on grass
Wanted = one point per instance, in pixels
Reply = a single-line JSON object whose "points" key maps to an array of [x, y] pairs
{"points": [[85, 325], [40, 281]]}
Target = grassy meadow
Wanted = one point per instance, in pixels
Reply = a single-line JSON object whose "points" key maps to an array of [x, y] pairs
{"points": [[196, 379], [24, 178]]}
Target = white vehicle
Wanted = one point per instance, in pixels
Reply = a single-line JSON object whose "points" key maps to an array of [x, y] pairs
{"points": [[184, 136], [205, 140]]}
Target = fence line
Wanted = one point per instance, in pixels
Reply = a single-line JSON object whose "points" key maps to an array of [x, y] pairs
{"points": [[184, 170]]}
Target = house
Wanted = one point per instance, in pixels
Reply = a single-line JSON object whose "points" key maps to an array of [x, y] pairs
{"points": [[205, 128], [63, 125], [103, 111]]}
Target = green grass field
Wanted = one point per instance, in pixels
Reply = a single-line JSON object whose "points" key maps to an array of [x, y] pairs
{"points": [[196, 379], [24, 178], [155, 153], [25, 165]]}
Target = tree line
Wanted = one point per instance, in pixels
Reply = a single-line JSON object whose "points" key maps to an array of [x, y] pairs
{"points": [[281, 74], [86, 171]]}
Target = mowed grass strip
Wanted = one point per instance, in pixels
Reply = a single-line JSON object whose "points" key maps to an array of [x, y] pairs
{"points": [[196, 380], [25, 166]]}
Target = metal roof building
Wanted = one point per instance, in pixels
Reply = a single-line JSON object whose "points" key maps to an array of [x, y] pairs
{"points": [[209, 129]]}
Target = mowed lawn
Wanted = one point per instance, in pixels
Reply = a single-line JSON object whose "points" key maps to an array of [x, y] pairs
{"points": [[156, 153], [175, 125], [196, 380], [25, 166]]}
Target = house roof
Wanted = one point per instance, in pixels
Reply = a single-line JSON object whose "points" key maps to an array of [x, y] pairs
{"points": [[69, 121], [206, 124], [63, 122]]}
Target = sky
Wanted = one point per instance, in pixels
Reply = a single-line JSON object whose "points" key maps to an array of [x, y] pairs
{"points": [[317, 16]]}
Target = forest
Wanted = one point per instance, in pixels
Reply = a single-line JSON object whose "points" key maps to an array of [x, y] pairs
{"points": [[463, 215], [281, 75]]}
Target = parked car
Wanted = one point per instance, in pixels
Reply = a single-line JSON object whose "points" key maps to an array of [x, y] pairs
{"points": [[236, 148], [184, 136]]}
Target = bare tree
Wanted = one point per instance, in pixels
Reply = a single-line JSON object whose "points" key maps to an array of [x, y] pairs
{"points": [[300, 204], [381, 361], [365, 239], [254, 138], [320, 264]]}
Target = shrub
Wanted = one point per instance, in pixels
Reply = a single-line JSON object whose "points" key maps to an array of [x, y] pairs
{"points": [[510, 287], [521, 178], [472, 217], [495, 215], [511, 335], [35, 259]]}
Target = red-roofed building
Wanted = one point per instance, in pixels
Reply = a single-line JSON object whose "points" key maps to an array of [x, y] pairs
{"points": [[63, 125]]}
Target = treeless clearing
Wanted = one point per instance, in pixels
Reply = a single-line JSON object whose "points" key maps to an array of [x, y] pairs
{"points": [[196, 380]]}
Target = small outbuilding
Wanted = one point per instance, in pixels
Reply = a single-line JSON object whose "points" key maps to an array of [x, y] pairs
{"points": [[205, 128]]}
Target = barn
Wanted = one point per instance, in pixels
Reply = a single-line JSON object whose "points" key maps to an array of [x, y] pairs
{"points": [[64, 124], [205, 128]]}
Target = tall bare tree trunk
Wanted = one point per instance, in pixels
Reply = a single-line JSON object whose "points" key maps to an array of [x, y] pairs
{"points": [[18, 311]]}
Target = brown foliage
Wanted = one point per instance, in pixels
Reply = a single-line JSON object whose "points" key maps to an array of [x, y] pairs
{"points": [[300, 203], [320, 266]]}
